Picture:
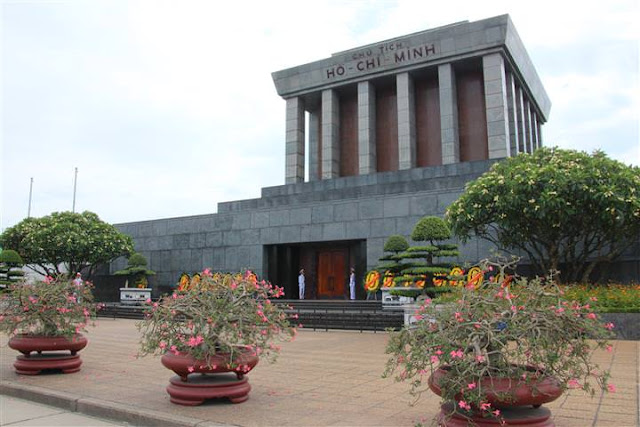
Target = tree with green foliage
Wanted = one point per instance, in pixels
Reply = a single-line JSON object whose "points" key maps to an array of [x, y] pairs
{"points": [[66, 242], [432, 230], [565, 209], [10, 267], [137, 270]]}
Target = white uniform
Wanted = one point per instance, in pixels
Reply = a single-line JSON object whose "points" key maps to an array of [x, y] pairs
{"points": [[301, 285], [352, 285]]}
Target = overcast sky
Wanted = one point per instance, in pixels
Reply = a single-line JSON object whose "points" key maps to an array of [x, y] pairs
{"points": [[168, 107]]}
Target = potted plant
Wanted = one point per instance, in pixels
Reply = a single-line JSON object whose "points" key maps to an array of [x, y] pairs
{"points": [[47, 316], [500, 350], [136, 273], [218, 325]]}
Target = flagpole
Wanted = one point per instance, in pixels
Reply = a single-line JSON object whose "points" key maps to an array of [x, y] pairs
{"points": [[75, 181], [30, 193]]}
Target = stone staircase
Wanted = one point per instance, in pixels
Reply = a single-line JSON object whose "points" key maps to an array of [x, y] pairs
{"points": [[311, 314]]}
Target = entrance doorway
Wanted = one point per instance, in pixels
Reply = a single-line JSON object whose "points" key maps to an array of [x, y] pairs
{"points": [[332, 273], [326, 266]]}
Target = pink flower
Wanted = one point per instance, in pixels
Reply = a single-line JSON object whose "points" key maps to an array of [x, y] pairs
{"points": [[609, 348], [439, 352], [162, 345], [609, 326], [207, 272], [471, 386], [435, 359], [464, 405], [573, 383], [591, 316], [480, 358], [611, 388], [148, 301], [485, 406], [48, 279], [190, 369], [496, 412], [457, 353]]}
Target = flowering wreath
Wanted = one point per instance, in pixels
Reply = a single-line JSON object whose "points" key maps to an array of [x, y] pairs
{"points": [[372, 281]]}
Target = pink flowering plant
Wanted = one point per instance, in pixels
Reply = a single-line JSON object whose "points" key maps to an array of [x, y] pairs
{"points": [[54, 306], [503, 327], [217, 313]]}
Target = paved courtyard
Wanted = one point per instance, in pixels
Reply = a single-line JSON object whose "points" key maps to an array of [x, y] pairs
{"points": [[320, 379]]}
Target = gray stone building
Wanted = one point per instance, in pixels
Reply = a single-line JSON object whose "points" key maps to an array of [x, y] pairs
{"points": [[376, 137]]}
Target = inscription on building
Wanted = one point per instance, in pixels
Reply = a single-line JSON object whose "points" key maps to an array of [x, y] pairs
{"points": [[382, 56]]}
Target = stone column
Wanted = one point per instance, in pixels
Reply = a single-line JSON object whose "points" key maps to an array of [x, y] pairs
{"points": [[513, 113], [496, 105], [534, 129], [366, 128], [314, 162], [539, 133], [522, 145], [330, 134], [294, 162], [406, 122], [450, 138], [528, 140]]}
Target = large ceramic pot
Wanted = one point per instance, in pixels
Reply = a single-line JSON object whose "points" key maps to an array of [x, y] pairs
{"points": [[26, 344], [184, 364], [508, 392], [519, 400], [219, 379], [48, 354]]}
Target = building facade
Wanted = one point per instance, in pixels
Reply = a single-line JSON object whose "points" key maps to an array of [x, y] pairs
{"points": [[376, 138]]}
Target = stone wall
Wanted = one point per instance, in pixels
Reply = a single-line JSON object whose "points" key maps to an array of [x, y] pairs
{"points": [[370, 207]]}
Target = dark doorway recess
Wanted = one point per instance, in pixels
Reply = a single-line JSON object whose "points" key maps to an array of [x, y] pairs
{"points": [[326, 266]]}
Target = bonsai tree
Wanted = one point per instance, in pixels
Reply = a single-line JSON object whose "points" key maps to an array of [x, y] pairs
{"points": [[517, 342], [10, 267], [389, 264], [66, 242], [137, 270], [432, 230], [566, 210]]}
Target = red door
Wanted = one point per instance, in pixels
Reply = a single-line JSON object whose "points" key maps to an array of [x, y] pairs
{"points": [[332, 273]]}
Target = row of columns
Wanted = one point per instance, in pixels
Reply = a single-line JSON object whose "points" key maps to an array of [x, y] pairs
{"points": [[512, 124]]}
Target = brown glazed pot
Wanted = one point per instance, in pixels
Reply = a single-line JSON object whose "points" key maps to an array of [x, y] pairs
{"points": [[26, 344], [181, 362], [520, 393]]}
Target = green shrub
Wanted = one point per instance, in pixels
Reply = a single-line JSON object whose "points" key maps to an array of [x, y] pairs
{"points": [[11, 257], [430, 228], [396, 243]]}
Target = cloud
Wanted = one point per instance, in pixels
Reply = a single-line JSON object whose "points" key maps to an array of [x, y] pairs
{"points": [[168, 108]]}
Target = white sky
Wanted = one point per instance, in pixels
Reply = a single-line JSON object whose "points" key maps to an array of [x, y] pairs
{"points": [[168, 107]]}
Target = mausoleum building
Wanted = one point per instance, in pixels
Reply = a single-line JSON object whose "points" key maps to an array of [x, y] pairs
{"points": [[376, 138]]}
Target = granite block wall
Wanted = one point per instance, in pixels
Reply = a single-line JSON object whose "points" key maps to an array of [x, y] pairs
{"points": [[367, 207]]}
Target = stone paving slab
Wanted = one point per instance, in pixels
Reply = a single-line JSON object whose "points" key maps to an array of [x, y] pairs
{"points": [[19, 412], [321, 379]]}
